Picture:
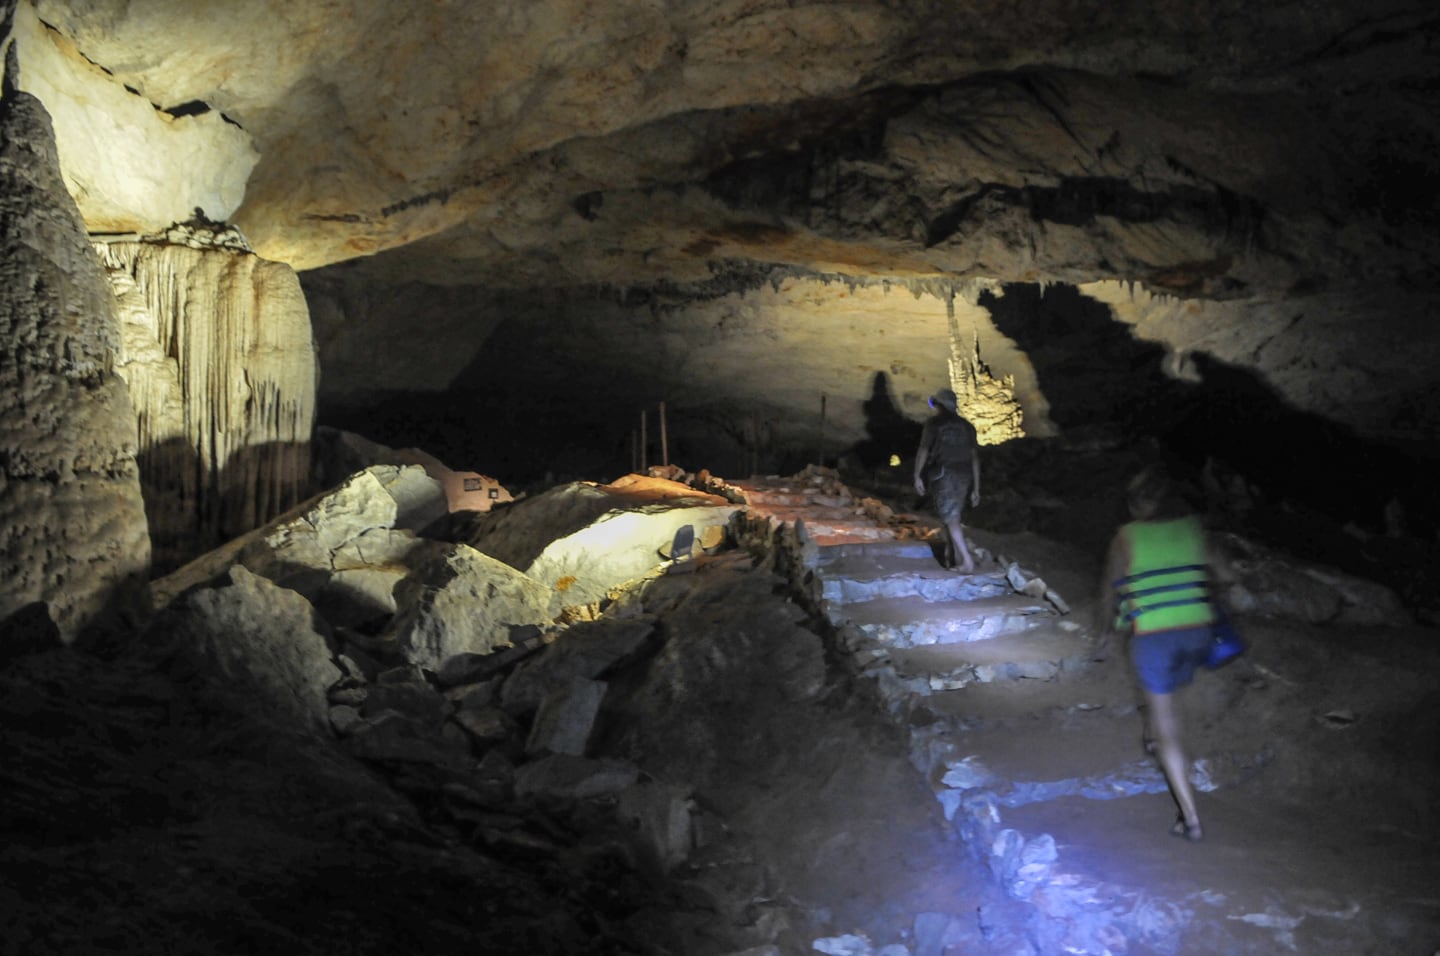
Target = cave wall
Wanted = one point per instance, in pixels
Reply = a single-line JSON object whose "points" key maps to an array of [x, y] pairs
{"points": [[742, 372], [706, 204], [1361, 357]]}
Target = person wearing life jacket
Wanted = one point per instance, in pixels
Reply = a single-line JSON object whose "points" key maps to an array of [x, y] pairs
{"points": [[947, 463], [1158, 587]]}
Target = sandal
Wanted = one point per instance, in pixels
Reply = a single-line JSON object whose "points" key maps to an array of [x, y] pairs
{"points": [[1185, 831]]}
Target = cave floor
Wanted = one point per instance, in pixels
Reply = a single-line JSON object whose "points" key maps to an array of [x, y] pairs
{"points": [[1314, 755], [987, 797]]}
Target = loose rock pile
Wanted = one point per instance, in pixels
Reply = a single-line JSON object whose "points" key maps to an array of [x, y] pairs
{"points": [[480, 692]]}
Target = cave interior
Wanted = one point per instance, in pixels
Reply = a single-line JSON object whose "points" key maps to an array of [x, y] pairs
{"points": [[550, 245]]}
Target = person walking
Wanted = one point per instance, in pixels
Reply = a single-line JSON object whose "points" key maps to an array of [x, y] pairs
{"points": [[1158, 587], [947, 464]]}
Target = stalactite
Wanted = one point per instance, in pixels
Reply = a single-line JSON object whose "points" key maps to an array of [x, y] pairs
{"points": [[221, 367], [989, 403]]}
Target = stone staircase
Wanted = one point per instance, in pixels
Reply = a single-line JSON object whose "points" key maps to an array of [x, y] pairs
{"points": [[914, 627], [1032, 750]]}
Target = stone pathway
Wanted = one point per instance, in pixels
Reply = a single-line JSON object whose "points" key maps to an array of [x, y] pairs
{"points": [[1034, 752]]}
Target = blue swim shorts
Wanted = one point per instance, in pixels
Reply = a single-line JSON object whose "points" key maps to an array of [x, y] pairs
{"points": [[1166, 660]]}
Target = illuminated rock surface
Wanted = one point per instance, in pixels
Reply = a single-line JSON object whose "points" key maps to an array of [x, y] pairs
{"points": [[448, 183], [1198, 233], [218, 356], [72, 524]]}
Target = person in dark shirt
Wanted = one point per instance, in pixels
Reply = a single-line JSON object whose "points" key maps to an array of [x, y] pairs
{"points": [[947, 465]]}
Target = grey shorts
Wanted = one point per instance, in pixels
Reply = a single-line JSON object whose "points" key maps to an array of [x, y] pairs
{"points": [[949, 492]]}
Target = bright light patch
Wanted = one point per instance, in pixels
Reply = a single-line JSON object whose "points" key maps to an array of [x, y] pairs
{"points": [[894, 461]]}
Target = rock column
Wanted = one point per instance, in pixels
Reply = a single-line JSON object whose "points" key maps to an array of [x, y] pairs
{"points": [[72, 524]]}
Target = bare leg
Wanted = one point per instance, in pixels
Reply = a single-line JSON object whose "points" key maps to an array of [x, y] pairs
{"points": [[957, 538], [1165, 732]]}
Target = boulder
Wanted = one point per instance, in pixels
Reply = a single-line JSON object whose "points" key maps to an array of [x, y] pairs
{"points": [[569, 778], [566, 718], [344, 550], [587, 650], [660, 817], [257, 643], [381, 496], [391, 737], [1271, 584], [459, 601], [583, 539], [339, 453]]}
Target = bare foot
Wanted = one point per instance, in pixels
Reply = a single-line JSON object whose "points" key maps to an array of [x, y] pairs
{"points": [[1187, 831]]}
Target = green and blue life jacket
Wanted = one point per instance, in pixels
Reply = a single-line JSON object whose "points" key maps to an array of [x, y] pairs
{"points": [[1167, 585]]}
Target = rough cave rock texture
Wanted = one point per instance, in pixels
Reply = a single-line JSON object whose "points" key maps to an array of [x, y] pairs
{"points": [[220, 362], [584, 540], [72, 524], [132, 167], [1249, 188]]}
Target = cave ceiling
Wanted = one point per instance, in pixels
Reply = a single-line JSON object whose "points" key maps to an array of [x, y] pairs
{"points": [[1210, 153], [644, 141]]}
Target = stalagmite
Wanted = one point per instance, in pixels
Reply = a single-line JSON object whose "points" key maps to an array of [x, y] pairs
{"points": [[72, 527]]}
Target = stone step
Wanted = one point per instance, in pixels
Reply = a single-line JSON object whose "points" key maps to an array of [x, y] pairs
{"points": [[1092, 754], [837, 533], [763, 487], [760, 498], [892, 552], [855, 580], [911, 621], [815, 514], [798, 499], [1043, 652], [1080, 687]]}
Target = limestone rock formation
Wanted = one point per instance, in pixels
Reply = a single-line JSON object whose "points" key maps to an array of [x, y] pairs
{"points": [[72, 524], [582, 539], [132, 165], [600, 207], [256, 641], [1267, 167], [728, 83], [336, 453], [463, 602], [219, 357]]}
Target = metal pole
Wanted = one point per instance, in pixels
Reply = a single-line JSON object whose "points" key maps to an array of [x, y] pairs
{"points": [[754, 443], [820, 452], [644, 440], [664, 439]]}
